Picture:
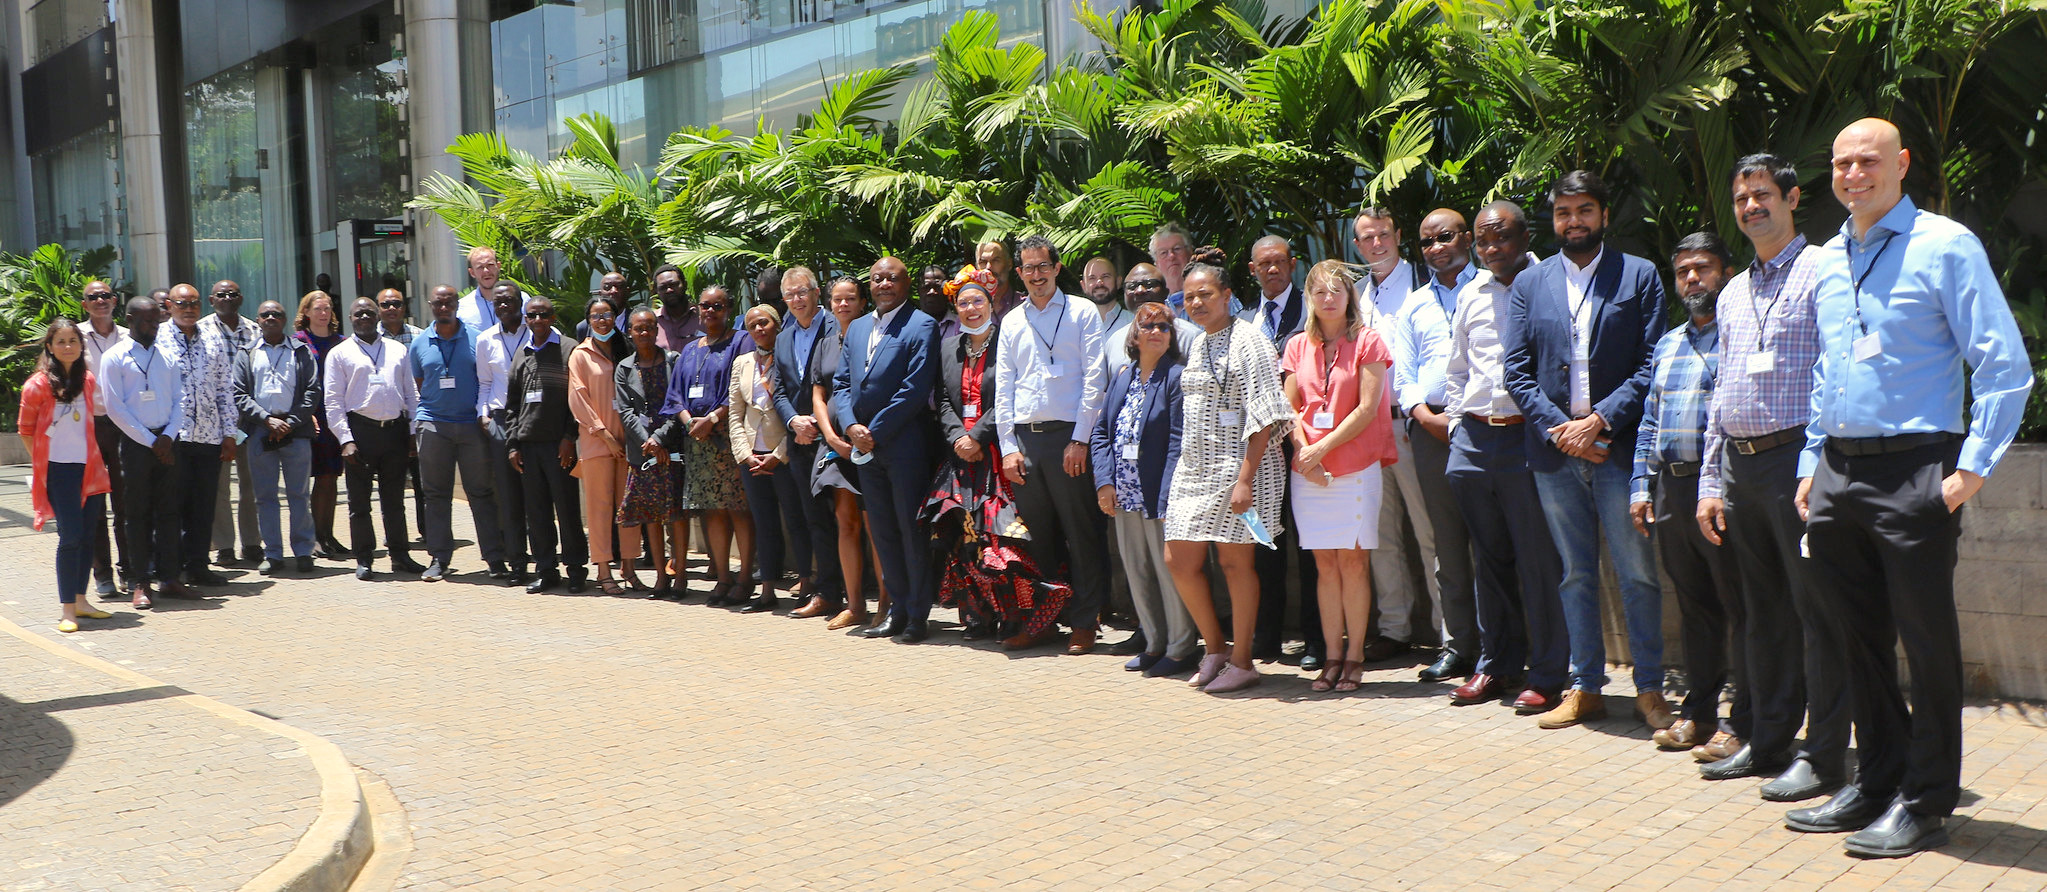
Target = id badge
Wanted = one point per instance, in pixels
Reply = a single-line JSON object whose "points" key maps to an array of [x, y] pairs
{"points": [[149, 396], [1323, 420], [533, 396], [696, 391], [1130, 452], [447, 382], [1055, 370], [1230, 418], [970, 412], [1762, 362], [272, 385], [1869, 346], [1581, 349], [376, 379]]}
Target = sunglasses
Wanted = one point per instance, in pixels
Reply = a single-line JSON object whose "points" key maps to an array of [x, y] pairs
{"points": [[100, 295], [392, 304], [363, 314], [1141, 284], [1443, 238], [713, 307], [540, 314], [270, 314], [1155, 326], [227, 294], [185, 304]]}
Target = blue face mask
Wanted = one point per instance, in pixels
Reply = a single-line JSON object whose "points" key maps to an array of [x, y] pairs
{"points": [[605, 336]]}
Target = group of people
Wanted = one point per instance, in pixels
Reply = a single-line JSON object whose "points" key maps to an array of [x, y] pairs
{"points": [[1796, 451]]}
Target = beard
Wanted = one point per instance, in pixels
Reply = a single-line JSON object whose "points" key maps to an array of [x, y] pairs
{"points": [[1701, 304], [1108, 298], [1588, 242]]}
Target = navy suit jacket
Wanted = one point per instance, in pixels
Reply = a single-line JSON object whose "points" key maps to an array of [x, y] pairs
{"points": [[793, 383], [1627, 319], [1293, 318], [893, 393], [1158, 446]]}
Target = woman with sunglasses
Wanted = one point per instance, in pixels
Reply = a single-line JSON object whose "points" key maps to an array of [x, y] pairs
{"points": [[69, 481], [834, 462], [698, 402], [600, 444], [317, 328]]}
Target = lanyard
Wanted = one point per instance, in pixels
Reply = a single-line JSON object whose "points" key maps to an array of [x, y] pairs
{"points": [[1208, 357], [376, 361], [1764, 313], [1056, 326], [150, 351], [272, 359], [1710, 360], [447, 347], [1858, 280], [1329, 365]]}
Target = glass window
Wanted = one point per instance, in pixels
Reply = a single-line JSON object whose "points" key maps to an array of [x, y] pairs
{"points": [[77, 195], [367, 170], [227, 200]]}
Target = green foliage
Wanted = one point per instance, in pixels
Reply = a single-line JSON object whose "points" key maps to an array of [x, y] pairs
{"points": [[39, 287]]}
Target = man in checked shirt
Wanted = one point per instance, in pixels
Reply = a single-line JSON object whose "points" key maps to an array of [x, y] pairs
{"points": [[1667, 452], [1754, 431]]}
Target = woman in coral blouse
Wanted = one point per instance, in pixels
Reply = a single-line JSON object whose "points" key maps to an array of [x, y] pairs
{"points": [[70, 480]]}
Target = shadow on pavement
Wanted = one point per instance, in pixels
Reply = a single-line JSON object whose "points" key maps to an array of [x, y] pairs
{"points": [[37, 746], [1996, 843]]}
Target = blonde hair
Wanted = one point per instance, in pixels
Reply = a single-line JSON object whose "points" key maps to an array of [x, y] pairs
{"points": [[306, 306], [479, 251], [1338, 273]]}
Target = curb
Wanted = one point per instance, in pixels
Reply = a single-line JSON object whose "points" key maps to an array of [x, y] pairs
{"points": [[335, 848]]}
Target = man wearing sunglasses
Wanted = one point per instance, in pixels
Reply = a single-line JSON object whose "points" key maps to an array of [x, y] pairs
{"points": [[206, 429], [541, 445], [1142, 285], [370, 401], [277, 392], [391, 318], [103, 334], [241, 335]]}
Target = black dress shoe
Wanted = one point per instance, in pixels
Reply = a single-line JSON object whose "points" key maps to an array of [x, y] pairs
{"points": [[1799, 782], [1742, 764], [204, 577], [403, 563], [577, 580], [363, 572], [1847, 811], [498, 571], [914, 632], [761, 605], [1311, 661], [976, 631], [251, 555], [305, 563], [1897, 833], [889, 628], [224, 557], [1129, 647], [1446, 667], [542, 583]]}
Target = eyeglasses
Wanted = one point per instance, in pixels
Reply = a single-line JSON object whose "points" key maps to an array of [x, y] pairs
{"points": [[540, 314], [227, 293], [1143, 284], [392, 304], [603, 316], [709, 307], [364, 314], [1031, 269], [185, 304], [270, 314], [100, 295], [1442, 238], [1155, 326]]}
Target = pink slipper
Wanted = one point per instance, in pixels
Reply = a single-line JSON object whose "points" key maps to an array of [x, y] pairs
{"points": [[1233, 679]]}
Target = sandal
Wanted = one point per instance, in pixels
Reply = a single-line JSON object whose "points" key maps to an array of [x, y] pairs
{"points": [[1353, 675], [1331, 672], [610, 587]]}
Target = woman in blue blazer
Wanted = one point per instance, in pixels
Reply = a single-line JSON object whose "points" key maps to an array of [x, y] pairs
{"points": [[1133, 444]]}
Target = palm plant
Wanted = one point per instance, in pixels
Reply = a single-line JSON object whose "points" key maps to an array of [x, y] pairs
{"points": [[40, 286]]}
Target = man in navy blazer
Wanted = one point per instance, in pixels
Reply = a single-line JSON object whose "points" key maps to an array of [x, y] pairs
{"points": [[883, 392], [805, 327], [1581, 332]]}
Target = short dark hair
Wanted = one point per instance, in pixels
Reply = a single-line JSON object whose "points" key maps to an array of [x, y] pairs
{"points": [[1781, 172], [1172, 355], [1581, 182], [1703, 241], [933, 268], [668, 268], [1040, 242]]}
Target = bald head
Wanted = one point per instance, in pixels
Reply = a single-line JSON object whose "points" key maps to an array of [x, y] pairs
{"points": [[1446, 244], [1869, 165]]}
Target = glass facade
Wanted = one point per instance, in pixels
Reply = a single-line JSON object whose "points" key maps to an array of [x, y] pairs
{"points": [[222, 160], [78, 197]]}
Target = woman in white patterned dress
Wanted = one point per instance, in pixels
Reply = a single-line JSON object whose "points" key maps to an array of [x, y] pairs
{"points": [[1230, 463]]}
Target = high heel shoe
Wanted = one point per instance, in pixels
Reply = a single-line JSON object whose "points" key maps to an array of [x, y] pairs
{"points": [[1331, 673], [1353, 675]]}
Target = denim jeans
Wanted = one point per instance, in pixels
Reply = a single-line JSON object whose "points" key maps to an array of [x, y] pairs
{"points": [[294, 461], [1573, 495], [62, 482]]}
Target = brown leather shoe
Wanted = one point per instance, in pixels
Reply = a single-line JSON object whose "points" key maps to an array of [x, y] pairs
{"points": [[1535, 700], [1479, 689], [1083, 640], [1578, 706], [1681, 735], [1720, 747], [1653, 710], [1026, 641]]}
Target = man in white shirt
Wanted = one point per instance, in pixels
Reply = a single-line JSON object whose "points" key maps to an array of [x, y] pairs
{"points": [[370, 401], [241, 334], [101, 335], [1098, 280], [140, 386], [1520, 619], [477, 309], [495, 347], [1049, 390]]}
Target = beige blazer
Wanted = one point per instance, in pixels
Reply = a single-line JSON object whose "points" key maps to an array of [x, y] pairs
{"points": [[744, 419]]}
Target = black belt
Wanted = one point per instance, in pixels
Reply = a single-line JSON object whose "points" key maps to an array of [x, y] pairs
{"points": [[1045, 427], [1681, 468], [1863, 446], [354, 419], [1766, 442]]}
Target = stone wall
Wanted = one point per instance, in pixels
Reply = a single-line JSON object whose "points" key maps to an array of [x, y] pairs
{"points": [[2001, 581]]}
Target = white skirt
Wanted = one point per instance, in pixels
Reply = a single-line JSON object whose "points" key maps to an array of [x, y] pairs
{"points": [[1343, 514]]}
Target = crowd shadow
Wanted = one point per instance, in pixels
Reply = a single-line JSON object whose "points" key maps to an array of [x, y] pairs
{"points": [[37, 747], [1995, 843]]}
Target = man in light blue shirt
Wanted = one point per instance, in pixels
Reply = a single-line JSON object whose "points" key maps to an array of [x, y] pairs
{"points": [[141, 387], [451, 435], [1906, 299]]}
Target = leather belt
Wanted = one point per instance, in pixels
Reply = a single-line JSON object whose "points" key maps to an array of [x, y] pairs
{"points": [[354, 419], [1862, 446], [1045, 427], [1766, 442], [1681, 468], [1501, 420]]}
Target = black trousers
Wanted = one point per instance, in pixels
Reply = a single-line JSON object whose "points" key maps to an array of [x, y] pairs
{"points": [[1066, 522], [1458, 610], [1793, 667], [383, 452], [149, 520], [1708, 603], [776, 531], [510, 487], [198, 487], [105, 546], [1517, 569], [811, 523], [1883, 548], [554, 512], [1271, 566]]}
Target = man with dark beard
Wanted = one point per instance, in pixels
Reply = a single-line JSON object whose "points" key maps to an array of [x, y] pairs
{"points": [[1668, 453]]}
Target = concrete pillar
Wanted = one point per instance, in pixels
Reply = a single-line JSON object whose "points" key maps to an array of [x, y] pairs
{"points": [[448, 73], [142, 172]]}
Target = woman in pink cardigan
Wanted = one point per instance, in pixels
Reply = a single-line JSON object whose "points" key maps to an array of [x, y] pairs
{"points": [[600, 447], [70, 482]]}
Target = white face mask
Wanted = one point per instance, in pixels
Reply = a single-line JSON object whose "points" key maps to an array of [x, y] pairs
{"points": [[982, 328]]}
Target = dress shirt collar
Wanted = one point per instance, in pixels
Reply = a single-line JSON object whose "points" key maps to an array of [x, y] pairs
{"points": [[815, 318], [1697, 330], [1583, 273], [1791, 250], [881, 319], [553, 336], [1281, 302], [1055, 305], [1896, 221], [433, 333]]}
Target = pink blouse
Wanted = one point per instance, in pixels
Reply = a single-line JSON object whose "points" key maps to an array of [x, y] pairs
{"points": [[1333, 388]]}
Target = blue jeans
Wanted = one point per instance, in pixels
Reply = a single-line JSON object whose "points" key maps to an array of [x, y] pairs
{"points": [[62, 482], [294, 460], [1572, 495]]}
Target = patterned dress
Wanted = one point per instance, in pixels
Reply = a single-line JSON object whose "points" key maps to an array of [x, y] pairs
{"points": [[1129, 432], [1231, 390], [649, 495], [326, 447], [710, 476]]}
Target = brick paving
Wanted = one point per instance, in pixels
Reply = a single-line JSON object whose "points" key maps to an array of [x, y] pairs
{"points": [[590, 742]]}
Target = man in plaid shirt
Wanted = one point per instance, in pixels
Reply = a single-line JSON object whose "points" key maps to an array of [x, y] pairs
{"points": [[1769, 343], [1668, 450]]}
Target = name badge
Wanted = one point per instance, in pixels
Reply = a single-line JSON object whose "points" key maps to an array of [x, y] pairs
{"points": [[1055, 370], [1762, 362], [1581, 350], [272, 385], [970, 412], [376, 379], [1130, 452], [1230, 419], [696, 391], [1323, 420], [1869, 346], [447, 382], [533, 396], [149, 396]]}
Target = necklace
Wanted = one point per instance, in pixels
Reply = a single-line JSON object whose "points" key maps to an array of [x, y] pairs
{"points": [[974, 352]]}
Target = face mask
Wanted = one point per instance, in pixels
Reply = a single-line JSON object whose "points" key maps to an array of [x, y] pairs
{"points": [[990, 323], [605, 336]]}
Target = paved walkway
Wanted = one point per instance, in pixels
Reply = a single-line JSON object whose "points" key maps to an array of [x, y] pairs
{"points": [[591, 742]]}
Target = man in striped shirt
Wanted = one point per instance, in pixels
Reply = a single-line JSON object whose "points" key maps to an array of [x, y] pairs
{"points": [[1668, 449]]}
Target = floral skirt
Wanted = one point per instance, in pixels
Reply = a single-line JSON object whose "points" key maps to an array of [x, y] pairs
{"points": [[711, 481], [650, 495]]}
